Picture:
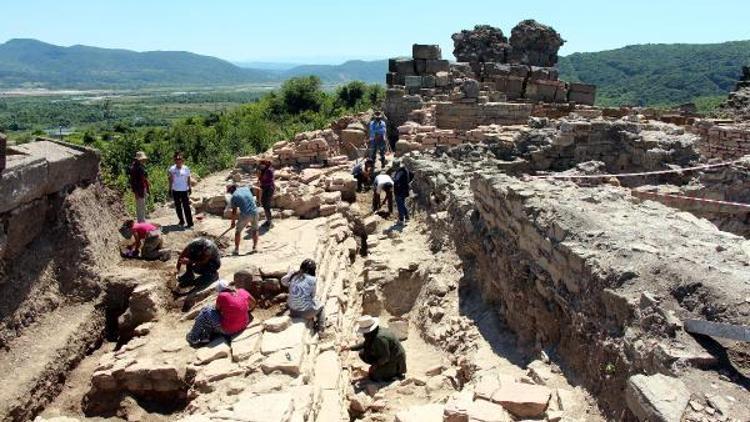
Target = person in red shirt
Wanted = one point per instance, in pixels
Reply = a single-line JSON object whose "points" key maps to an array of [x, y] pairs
{"points": [[229, 316], [148, 240]]}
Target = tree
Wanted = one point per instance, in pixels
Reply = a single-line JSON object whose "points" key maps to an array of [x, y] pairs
{"points": [[302, 94], [351, 94]]}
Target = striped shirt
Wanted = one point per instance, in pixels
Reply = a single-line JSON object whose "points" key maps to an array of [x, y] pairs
{"points": [[301, 291]]}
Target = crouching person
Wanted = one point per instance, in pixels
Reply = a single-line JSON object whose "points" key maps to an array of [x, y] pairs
{"points": [[202, 257], [148, 241], [301, 300], [229, 316], [381, 349]]}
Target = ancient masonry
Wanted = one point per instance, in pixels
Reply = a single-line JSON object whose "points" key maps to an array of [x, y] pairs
{"points": [[559, 258]]}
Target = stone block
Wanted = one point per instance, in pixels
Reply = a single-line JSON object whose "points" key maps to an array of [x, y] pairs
{"points": [[423, 413], [413, 82], [512, 86], [217, 349], [405, 67], [277, 324], [420, 66], [23, 180], [582, 93], [432, 67], [392, 63], [67, 166], [657, 398], [246, 343], [327, 370], [218, 370], [291, 337], [442, 79], [523, 400], [25, 223], [429, 81], [426, 51], [486, 411], [275, 407], [287, 361], [331, 407]]}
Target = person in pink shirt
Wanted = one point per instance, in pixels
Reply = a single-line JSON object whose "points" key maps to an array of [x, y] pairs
{"points": [[229, 316], [148, 240]]}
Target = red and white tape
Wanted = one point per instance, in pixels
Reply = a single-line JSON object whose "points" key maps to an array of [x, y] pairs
{"points": [[646, 173], [670, 198]]}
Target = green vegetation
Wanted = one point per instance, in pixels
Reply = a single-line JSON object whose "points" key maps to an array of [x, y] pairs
{"points": [[211, 142], [660, 74]]}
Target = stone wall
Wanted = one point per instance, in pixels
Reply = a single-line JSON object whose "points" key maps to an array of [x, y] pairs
{"points": [[723, 140], [35, 172], [471, 115], [591, 276]]}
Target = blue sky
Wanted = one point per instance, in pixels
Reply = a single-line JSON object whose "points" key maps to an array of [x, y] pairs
{"points": [[329, 31]]}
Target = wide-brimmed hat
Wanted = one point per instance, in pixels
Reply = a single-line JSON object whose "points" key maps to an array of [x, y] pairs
{"points": [[367, 324], [140, 155], [221, 285]]}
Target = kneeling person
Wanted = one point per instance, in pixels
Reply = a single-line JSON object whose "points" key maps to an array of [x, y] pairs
{"points": [[381, 349], [148, 240], [229, 316], [301, 300], [243, 199]]}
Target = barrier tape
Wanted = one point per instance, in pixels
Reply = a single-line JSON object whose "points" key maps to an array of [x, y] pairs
{"points": [[678, 198], [647, 173]]}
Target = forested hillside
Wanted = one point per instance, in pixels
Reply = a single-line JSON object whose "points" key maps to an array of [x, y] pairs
{"points": [[654, 74]]}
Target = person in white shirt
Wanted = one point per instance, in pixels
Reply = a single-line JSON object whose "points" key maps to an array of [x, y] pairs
{"points": [[382, 183], [179, 184]]}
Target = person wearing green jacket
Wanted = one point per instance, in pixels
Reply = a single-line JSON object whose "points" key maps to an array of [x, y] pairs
{"points": [[381, 349]]}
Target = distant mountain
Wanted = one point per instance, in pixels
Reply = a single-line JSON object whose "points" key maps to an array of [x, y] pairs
{"points": [[653, 74], [26, 62], [367, 71], [275, 66]]}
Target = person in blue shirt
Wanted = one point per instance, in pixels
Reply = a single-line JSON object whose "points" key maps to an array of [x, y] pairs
{"points": [[244, 201], [378, 129]]}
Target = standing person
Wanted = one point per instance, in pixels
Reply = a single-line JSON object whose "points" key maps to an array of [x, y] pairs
{"points": [[201, 256], [363, 173], [229, 316], [243, 199], [179, 183], [381, 349], [383, 183], [401, 180], [377, 137], [301, 300], [267, 189], [139, 184]]}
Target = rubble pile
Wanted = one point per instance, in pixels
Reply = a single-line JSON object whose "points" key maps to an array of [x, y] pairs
{"points": [[329, 146], [738, 102]]}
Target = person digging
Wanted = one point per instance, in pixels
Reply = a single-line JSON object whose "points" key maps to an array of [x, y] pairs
{"points": [[381, 349], [148, 241]]}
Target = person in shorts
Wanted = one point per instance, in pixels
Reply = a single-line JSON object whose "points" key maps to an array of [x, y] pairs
{"points": [[243, 201]]}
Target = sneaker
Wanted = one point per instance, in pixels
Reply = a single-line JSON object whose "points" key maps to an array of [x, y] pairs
{"points": [[236, 252]]}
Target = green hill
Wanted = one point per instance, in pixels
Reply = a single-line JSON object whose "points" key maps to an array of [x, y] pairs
{"points": [[654, 74], [366, 71], [32, 63]]}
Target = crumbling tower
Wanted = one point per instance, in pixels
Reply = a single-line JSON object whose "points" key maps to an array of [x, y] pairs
{"points": [[491, 73]]}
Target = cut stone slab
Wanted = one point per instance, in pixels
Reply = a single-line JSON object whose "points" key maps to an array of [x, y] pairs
{"points": [[540, 372], [331, 407], [291, 337], [277, 324], [287, 361], [486, 411], [425, 413], [246, 344], [657, 398], [218, 370], [217, 349], [327, 370], [523, 400], [457, 407], [275, 407]]}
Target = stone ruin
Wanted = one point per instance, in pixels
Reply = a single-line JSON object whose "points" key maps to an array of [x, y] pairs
{"points": [[558, 260], [494, 80], [738, 102]]}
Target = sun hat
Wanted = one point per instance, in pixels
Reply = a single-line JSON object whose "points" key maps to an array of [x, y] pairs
{"points": [[367, 324], [140, 155], [221, 285]]}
